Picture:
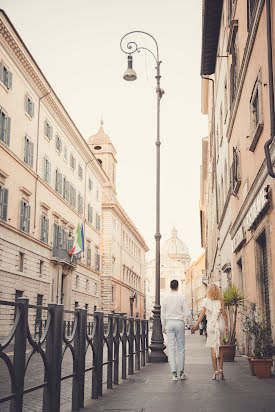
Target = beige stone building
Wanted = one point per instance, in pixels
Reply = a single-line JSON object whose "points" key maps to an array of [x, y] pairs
{"points": [[174, 260], [195, 285], [49, 182], [238, 43], [123, 271]]}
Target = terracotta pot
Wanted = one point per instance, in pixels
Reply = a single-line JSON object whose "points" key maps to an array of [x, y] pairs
{"points": [[228, 352], [262, 367], [251, 367]]}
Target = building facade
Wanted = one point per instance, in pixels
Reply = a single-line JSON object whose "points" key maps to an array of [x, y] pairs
{"points": [[124, 249], [195, 286], [174, 260], [49, 184], [238, 45]]}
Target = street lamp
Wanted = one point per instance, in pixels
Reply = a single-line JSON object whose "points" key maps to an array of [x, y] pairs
{"points": [[157, 346]]}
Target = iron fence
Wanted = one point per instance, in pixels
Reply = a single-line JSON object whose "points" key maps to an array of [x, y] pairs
{"points": [[126, 342]]}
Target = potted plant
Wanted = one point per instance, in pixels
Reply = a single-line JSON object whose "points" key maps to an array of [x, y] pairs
{"points": [[261, 360], [233, 298]]}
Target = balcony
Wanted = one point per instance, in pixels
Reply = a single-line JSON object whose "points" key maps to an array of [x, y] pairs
{"points": [[62, 256]]}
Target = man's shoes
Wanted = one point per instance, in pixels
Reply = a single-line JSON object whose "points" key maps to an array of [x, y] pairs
{"points": [[183, 376], [175, 378]]}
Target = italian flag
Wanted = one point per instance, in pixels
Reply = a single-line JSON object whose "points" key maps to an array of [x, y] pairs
{"points": [[78, 245]]}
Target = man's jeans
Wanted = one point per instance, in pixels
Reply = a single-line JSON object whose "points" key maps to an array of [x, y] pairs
{"points": [[175, 330]]}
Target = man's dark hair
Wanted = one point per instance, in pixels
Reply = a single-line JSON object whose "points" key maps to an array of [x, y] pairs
{"points": [[174, 284]]}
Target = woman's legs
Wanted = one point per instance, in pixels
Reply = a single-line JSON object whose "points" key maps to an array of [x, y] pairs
{"points": [[214, 359], [221, 360]]}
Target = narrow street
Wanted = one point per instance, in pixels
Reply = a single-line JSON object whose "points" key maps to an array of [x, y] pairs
{"points": [[152, 390]]}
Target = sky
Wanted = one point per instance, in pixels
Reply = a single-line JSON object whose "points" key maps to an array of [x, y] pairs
{"points": [[77, 46]]}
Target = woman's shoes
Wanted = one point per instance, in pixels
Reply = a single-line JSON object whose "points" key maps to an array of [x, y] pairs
{"points": [[221, 374], [216, 376]]}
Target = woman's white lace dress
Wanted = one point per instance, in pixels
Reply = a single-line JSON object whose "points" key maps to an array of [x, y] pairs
{"points": [[215, 324]]}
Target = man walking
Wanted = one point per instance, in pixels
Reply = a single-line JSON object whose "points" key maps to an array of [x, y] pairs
{"points": [[174, 310]]}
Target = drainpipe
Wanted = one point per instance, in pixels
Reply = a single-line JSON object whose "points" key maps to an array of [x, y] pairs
{"points": [[271, 90], [214, 134], [36, 167]]}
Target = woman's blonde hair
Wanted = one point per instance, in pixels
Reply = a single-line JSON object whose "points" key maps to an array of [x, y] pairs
{"points": [[213, 292]]}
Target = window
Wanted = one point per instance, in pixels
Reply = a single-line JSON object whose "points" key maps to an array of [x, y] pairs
{"points": [[94, 308], [58, 181], [65, 152], [97, 221], [72, 195], [47, 170], [39, 302], [235, 171], [21, 262], [80, 204], [72, 161], [240, 274], [29, 106], [44, 234], [90, 213], [251, 12], [89, 254], [56, 236], [90, 184], [76, 304], [97, 260], [58, 144], [41, 266], [80, 172], [48, 130], [6, 75], [96, 287], [86, 306], [112, 293], [25, 213], [28, 151], [256, 113], [66, 189], [77, 282], [3, 203], [87, 284], [234, 66], [5, 127]]}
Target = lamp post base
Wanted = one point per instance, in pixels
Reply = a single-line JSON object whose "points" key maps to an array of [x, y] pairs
{"points": [[157, 346]]}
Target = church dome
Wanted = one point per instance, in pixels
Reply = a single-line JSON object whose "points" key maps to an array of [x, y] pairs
{"points": [[174, 247]]}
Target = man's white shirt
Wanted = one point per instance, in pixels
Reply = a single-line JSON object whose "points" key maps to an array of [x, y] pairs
{"points": [[174, 306]]}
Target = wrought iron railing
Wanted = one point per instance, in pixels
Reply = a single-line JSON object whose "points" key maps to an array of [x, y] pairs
{"points": [[124, 341]]}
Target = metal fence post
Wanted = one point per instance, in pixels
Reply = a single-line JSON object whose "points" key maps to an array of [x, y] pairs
{"points": [[20, 338], [98, 355], [79, 346], [146, 341], [110, 342], [143, 324], [124, 347], [116, 349], [51, 398], [137, 344], [131, 347]]}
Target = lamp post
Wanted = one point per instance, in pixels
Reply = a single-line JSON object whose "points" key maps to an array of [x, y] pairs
{"points": [[157, 346]]}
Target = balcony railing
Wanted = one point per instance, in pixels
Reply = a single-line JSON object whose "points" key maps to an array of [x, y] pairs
{"points": [[63, 255]]}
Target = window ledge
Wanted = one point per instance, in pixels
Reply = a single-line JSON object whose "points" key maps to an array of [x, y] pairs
{"points": [[28, 115], [256, 136]]}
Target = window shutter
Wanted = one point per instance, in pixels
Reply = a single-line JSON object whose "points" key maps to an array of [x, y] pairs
{"points": [[26, 104], [9, 80], [49, 172], [56, 180], [5, 203], [231, 84], [32, 111], [21, 215], [28, 218], [2, 71], [42, 228], [55, 233], [46, 228], [51, 132], [45, 127], [8, 130], [45, 169], [31, 146]]}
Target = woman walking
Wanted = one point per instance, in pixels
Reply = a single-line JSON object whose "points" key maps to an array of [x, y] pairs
{"points": [[217, 326]]}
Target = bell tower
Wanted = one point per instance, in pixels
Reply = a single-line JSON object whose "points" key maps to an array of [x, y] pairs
{"points": [[105, 153]]}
